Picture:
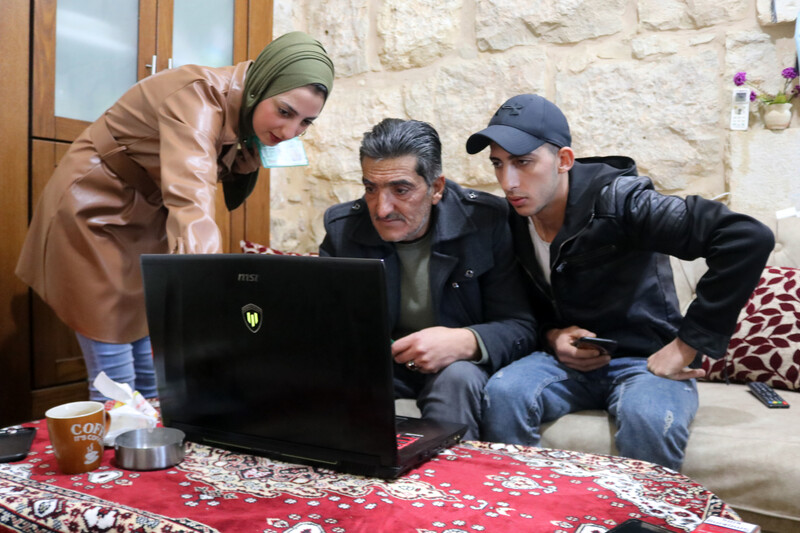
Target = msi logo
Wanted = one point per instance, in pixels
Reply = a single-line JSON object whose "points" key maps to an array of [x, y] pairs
{"points": [[252, 316], [247, 277]]}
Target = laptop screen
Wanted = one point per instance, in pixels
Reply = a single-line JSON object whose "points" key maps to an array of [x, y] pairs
{"points": [[280, 354]]}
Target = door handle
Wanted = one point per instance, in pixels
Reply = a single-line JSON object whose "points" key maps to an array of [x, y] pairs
{"points": [[152, 65]]}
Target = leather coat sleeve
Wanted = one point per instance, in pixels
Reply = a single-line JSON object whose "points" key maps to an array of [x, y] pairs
{"points": [[735, 246], [190, 122], [496, 308]]}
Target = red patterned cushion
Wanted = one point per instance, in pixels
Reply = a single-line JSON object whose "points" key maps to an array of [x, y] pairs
{"points": [[766, 343], [254, 248]]}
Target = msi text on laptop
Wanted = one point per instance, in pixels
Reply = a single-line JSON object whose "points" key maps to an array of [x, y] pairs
{"points": [[284, 356]]}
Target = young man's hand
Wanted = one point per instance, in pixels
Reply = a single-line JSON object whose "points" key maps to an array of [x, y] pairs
{"points": [[672, 362], [562, 341], [432, 349]]}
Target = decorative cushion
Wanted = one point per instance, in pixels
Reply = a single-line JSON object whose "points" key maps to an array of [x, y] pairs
{"points": [[255, 248], [766, 343]]}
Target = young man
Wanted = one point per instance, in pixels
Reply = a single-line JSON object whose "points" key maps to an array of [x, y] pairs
{"points": [[456, 299], [594, 240]]}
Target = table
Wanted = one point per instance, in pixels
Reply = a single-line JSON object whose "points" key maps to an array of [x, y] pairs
{"points": [[472, 487]]}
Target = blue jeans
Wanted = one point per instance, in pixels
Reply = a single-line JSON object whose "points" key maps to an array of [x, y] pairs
{"points": [[130, 363], [451, 395], [652, 414]]}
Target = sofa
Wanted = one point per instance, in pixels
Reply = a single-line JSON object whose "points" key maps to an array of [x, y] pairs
{"points": [[744, 452]]}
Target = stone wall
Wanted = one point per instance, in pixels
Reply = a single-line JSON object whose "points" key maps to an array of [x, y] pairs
{"points": [[651, 79]]}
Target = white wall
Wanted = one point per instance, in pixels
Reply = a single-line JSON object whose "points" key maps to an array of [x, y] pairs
{"points": [[650, 79]]}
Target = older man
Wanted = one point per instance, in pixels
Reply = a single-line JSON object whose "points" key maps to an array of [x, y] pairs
{"points": [[456, 301]]}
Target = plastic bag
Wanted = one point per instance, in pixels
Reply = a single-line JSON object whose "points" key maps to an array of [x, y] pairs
{"points": [[130, 410]]}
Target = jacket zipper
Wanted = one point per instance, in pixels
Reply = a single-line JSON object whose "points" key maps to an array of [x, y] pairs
{"points": [[560, 268]]}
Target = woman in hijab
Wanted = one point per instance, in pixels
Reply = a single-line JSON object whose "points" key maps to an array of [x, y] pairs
{"points": [[142, 180]]}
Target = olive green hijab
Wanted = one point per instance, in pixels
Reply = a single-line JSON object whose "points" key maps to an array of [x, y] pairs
{"points": [[292, 60]]}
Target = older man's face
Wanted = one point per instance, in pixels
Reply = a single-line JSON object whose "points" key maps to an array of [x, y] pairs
{"points": [[399, 200]]}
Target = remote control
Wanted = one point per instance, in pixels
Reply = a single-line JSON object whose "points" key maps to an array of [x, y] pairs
{"points": [[768, 397]]}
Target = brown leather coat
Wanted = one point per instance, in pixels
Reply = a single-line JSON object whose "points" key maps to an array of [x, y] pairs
{"points": [[81, 254]]}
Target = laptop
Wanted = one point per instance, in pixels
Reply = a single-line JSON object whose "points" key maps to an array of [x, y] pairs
{"points": [[283, 356]]}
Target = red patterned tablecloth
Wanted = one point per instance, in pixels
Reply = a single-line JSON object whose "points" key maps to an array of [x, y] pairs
{"points": [[472, 487]]}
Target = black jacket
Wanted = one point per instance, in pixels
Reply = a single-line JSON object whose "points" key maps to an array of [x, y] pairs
{"points": [[610, 270], [474, 280]]}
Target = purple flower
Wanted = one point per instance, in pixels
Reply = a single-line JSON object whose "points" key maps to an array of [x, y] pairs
{"points": [[796, 89], [740, 78], [752, 96], [789, 73]]}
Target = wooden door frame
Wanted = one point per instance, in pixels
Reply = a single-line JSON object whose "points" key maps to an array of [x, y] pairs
{"points": [[255, 219], [252, 31], [15, 336], [24, 86], [45, 123]]}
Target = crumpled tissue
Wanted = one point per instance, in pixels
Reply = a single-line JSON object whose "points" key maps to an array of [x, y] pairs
{"points": [[130, 410]]}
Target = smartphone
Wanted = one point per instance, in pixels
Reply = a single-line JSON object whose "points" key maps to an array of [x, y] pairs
{"points": [[634, 525], [606, 346], [15, 443]]}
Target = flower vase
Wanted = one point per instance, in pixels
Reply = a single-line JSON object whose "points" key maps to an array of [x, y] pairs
{"points": [[777, 116]]}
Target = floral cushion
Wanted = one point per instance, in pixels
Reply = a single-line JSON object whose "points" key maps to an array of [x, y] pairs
{"points": [[766, 343], [254, 248]]}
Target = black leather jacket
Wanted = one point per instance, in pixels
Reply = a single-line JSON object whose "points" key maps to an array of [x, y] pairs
{"points": [[474, 280], [610, 270]]}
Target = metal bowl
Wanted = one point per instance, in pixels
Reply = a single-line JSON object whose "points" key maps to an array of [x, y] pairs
{"points": [[149, 448]]}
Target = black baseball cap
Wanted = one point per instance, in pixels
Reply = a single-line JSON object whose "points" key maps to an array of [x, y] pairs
{"points": [[523, 124]]}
